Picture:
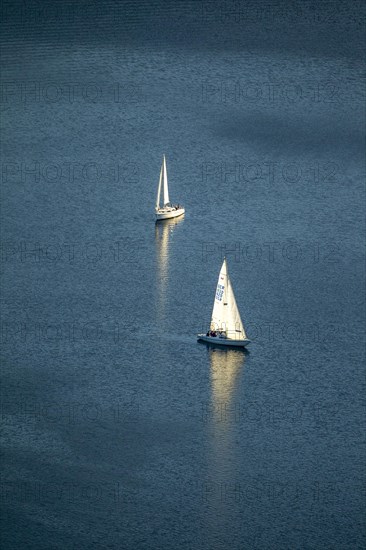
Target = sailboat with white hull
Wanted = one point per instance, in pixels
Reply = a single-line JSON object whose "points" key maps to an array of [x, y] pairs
{"points": [[168, 210], [226, 327]]}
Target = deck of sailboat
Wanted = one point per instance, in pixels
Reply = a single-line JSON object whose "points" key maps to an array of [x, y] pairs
{"points": [[217, 341], [169, 212]]}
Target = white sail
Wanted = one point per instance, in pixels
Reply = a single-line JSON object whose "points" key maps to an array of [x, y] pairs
{"points": [[225, 313], [159, 189], [165, 178], [167, 210]]}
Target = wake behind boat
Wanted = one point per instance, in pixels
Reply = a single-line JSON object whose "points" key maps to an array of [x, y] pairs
{"points": [[226, 327], [168, 210]]}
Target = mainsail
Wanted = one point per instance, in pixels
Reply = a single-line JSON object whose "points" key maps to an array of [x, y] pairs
{"points": [[166, 192], [163, 179], [159, 189], [225, 313]]}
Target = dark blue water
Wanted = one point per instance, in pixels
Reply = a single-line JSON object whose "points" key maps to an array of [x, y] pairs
{"points": [[119, 429]]}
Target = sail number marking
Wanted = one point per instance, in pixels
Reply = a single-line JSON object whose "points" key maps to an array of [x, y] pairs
{"points": [[219, 292]]}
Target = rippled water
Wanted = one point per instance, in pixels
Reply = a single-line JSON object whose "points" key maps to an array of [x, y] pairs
{"points": [[120, 430]]}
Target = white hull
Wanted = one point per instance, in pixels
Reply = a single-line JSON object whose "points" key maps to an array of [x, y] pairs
{"points": [[223, 341], [166, 214]]}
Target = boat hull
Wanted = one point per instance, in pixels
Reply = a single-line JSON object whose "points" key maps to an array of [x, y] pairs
{"points": [[170, 214], [217, 341]]}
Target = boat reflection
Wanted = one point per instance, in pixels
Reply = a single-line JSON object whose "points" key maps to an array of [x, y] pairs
{"points": [[223, 459], [163, 236], [226, 365]]}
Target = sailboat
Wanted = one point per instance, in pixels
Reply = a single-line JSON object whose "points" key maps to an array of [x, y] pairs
{"points": [[226, 327], [168, 210]]}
